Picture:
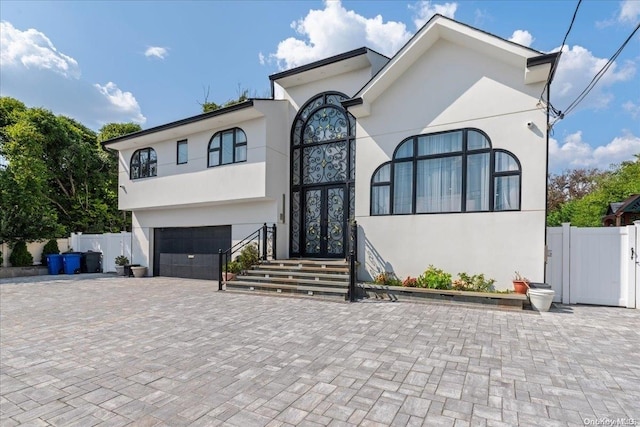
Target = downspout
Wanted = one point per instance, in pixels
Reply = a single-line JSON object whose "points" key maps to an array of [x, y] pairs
{"points": [[546, 178]]}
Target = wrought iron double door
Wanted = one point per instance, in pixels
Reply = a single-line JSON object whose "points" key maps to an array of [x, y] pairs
{"points": [[325, 221]]}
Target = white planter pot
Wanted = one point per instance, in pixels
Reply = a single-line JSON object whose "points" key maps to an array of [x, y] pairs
{"points": [[541, 299], [120, 270], [139, 271]]}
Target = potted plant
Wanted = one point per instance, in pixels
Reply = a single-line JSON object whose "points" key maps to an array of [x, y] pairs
{"points": [[138, 271], [121, 261], [520, 284]]}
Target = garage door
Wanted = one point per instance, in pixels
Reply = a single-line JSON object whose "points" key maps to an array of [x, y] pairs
{"points": [[190, 252]]}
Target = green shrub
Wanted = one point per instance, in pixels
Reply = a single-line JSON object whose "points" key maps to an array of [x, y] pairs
{"points": [[476, 283], [50, 248], [20, 256], [434, 278], [121, 260], [233, 267], [387, 278], [249, 256]]}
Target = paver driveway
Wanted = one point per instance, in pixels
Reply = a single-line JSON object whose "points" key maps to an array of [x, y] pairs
{"points": [[156, 351]]}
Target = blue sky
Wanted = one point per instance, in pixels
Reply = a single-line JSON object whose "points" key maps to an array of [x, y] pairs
{"points": [[152, 62]]}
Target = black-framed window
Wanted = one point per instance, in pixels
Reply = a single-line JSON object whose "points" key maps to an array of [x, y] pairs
{"points": [[144, 163], [182, 152], [227, 146], [447, 172]]}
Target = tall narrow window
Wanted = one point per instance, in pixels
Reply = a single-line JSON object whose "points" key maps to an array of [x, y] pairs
{"points": [[228, 146], [455, 171], [183, 153], [144, 164]]}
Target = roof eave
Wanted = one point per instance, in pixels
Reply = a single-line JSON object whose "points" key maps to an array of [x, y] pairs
{"points": [[193, 119]]}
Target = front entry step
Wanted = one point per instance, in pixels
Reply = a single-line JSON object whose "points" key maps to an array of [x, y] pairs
{"points": [[326, 279]]}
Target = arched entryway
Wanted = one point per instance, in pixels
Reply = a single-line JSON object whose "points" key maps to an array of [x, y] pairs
{"points": [[322, 177]]}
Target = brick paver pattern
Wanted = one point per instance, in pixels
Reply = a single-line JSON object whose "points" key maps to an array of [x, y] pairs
{"points": [[107, 351]]}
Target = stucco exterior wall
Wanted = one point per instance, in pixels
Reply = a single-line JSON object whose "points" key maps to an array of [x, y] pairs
{"points": [[450, 88]]}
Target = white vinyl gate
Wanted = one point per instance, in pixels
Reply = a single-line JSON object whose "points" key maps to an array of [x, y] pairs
{"points": [[594, 265]]}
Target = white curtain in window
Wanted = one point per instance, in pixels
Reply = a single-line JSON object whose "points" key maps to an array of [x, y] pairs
{"points": [[478, 182], [507, 193], [439, 185], [441, 143], [380, 200], [402, 187]]}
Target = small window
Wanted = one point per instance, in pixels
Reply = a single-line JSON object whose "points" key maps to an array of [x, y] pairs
{"points": [[144, 164], [229, 146], [183, 152]]}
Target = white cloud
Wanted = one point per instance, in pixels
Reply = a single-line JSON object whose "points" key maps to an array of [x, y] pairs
{"points": [[425, 10], [33, 49], [156, 51], [576, 68], [522, 37], [334, 30], [123, 102], [632, 109], [34, 72], [576, 153], [629, 11], [261, 58]]}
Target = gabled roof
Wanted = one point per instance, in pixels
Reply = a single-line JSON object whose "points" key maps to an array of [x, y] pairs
{"points": [[630, 205], [536, 65]]}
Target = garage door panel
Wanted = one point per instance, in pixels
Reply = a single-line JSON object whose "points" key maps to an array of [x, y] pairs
{"points": [[189, 252]]}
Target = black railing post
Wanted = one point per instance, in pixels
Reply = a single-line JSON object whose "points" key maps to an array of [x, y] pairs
{"points": [[273, 243], [219, 269], [352, 276], [354, 238], [264, 242]]}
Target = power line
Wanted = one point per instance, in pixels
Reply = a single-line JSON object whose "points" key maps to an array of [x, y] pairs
{"points": [[555, 64], [599, 74]]}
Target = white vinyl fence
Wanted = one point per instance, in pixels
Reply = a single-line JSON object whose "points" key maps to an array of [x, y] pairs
{"points": [[594, 265], [110, 244]]}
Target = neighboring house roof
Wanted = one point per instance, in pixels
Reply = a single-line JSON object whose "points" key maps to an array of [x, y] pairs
{"points": [[538, 66], [631, 205], [613, 207]]}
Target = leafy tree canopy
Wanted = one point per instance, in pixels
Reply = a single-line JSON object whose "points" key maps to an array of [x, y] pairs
{"points": [[582, 197], [57, 178]]}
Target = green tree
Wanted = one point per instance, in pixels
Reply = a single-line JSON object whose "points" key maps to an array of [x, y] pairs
{"points": [[58, 177], [27, 212], [587, 210]]}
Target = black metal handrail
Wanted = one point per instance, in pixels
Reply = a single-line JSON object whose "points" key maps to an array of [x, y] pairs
{"points": [[264, 237], [353, 259]]}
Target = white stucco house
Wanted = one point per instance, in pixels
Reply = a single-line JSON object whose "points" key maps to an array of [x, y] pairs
{"points": [[439, 153]]}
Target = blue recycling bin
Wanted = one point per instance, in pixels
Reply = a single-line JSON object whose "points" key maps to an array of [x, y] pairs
{"points": [[54, 263], [71, 263]]}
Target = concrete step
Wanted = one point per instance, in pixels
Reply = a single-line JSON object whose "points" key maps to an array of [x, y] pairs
{"points": [[298, 281], [304, 268], [278, 274]]}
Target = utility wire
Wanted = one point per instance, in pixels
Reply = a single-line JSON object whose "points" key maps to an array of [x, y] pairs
{"points": [[599, 75], [555, 64]]}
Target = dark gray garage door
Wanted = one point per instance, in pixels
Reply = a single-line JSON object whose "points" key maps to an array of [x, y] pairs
{"points": [[190, 252]]}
